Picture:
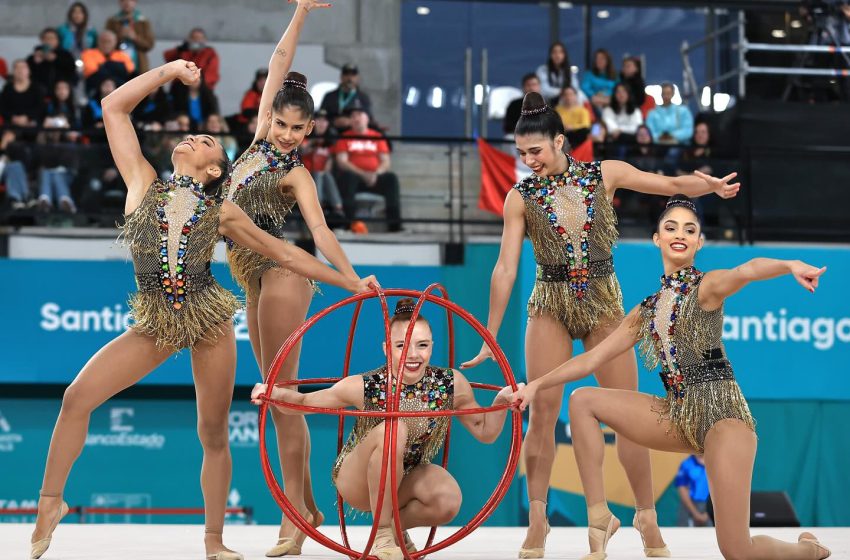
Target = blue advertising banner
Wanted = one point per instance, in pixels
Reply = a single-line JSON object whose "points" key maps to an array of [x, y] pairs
{"points": [[774, 331]]}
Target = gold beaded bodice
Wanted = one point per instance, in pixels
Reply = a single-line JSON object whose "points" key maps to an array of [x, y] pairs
{"points": [[425, 435], [572, 228], [172, 236], [686, 341]]}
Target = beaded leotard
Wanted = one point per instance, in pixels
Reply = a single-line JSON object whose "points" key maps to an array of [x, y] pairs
{"points": [[572, 227], [254, 186], [435, 391], [172, 235], [686, 341]]}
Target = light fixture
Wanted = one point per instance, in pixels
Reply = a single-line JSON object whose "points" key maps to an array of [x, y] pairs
{"points": [[436, 98], [423, 10], [479, 94], [796, 24], [705, 98], [603, 14], [412, 97], [565, 5], [721, 101], [778, 34]]}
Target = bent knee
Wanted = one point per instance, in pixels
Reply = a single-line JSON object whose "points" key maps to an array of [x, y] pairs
{"points": [[76, 402], [448, 505], [582, 398]]}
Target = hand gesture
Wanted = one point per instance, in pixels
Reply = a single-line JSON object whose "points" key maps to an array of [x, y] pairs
{"points": [[721, 187], [505, 395], [257, 392], [365, 284], [806, 274], [187, 72], [523, 396], [310, 4], [484, 354]]}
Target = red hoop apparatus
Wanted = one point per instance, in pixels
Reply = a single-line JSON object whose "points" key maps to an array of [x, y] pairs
{"points": [[392, 416]]}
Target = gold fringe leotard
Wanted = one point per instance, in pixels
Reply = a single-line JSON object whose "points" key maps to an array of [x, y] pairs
{"points": [[686, 341], [572, 227], [425, 436], [255, 187], [172, 235]]}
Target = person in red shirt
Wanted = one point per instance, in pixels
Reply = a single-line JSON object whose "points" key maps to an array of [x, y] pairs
{"points": [[195, 49], [318, 159], [363, 159]]}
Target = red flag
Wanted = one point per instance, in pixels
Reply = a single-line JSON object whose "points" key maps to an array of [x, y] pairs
{"points": [[584, 151], [498, 175]]}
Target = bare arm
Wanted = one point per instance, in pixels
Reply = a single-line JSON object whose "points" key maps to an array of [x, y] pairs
{"points": [[621, 175], [135, 170], [300, 180], [623, 338], [483, 427], [236, 225], [720, 284], [345, 393], [281, 61], [685, 497], [384, 166], [504, 273]]}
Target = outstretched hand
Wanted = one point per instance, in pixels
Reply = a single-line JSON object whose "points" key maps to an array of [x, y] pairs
{"points": [[310, 4], [506, 394], [807, 275], [484, 354], [721, 187], [366, 284]]}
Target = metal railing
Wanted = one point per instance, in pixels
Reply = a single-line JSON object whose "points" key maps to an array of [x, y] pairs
{"points": [[742, 46]]}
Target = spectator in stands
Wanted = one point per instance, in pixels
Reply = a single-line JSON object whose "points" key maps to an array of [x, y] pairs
{"points": [[669, 123], [134, 33], [4, 70], [197, 100], [217, 126], [60, 103], [530, 82], [22, 100], [692, 484], [105, 62], [622, 117], [49, 62], [152, 112], [93, 112], [599, 80], [556, 74], [316, 155], [75, 35], [574, 115], [179, 122], [195, 49], [57, 156], [632, 75], [336, 102], [13, 172], [644, 154], [251, 100], [697, 157], [363, 158]]}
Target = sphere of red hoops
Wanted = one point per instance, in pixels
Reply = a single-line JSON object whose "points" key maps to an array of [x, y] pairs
{"points": [[392, 416]]}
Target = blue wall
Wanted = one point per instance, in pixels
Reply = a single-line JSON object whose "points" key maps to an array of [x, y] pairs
{"points": [[797, 385]]}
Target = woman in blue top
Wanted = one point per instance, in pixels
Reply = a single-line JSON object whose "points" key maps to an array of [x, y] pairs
{"points": [[599, 80], [75, 35]]}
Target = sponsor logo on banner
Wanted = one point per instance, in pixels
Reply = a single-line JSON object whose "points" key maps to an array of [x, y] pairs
{"points": [[109, 319], [244, 428], [19, 504], [821, 332], [8, 437], [123, 434], [120, 500]]}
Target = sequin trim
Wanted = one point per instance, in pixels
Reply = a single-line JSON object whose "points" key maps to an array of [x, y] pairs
{"points": [[560, 272]]}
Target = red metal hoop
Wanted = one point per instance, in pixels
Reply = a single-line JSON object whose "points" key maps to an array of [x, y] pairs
{"points": [[392, 416]]}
